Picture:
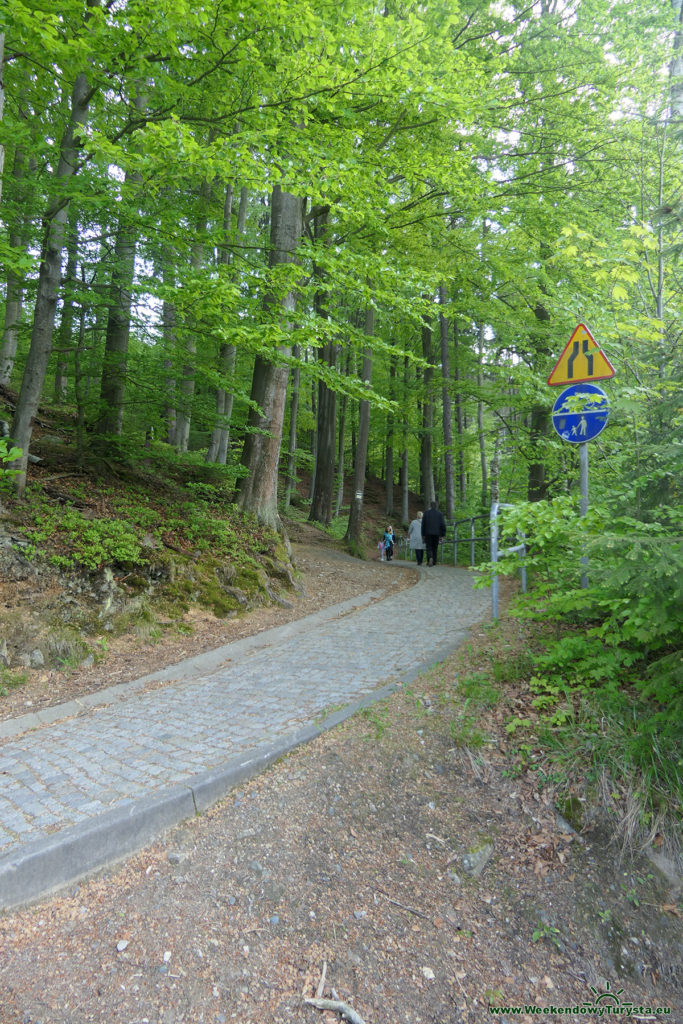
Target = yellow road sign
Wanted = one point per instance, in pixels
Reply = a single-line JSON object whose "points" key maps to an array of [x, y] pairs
{"points": [[582, 360]]}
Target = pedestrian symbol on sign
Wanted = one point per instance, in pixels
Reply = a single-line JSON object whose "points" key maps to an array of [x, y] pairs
{"points": [[580, 413]]}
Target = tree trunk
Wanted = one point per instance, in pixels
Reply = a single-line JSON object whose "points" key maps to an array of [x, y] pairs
{"points": [[18, 239], [449, 482], [115, 362], [460, 421], [78, 377], [322, 496], [405, 477], [258, 489], [354, 531], [480, 422], [314, 436], [187, 383], [389, 470], [168, 325], [220, 439], [65, 331], [49, 277], [290, 484], [539, 426], [342, 442], [323, 492], [427, 437]]}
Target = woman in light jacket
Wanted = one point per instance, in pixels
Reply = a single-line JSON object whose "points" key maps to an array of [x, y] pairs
{"points": [[415, 538]]}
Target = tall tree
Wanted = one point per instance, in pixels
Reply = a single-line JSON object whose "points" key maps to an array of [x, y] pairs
{"points": [[322, 497], [449, 482], [49, 277], [354, 530], [260, 458], [114, 366]]}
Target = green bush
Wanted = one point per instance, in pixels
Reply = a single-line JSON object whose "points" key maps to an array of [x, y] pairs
{"points": [[610, 685], [88, 543], [7, 455]]}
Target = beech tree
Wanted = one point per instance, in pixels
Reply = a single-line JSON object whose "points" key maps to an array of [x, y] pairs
{"points": [[258, 489]]}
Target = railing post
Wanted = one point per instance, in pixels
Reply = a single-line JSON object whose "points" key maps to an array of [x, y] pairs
{"points": [[522, 571], [472, 537], [494, 559], [455, 544]]}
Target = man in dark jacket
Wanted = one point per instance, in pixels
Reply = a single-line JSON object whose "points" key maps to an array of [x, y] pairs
{"points": [[433, 529]]}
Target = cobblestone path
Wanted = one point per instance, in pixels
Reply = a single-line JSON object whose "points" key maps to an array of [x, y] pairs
{"points": [[58, 778]]}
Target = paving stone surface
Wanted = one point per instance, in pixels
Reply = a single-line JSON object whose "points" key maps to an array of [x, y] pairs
{"points": [[221, 705]]}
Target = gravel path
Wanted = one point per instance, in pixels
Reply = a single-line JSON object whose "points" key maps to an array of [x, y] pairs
{"points": [[82, 791]]}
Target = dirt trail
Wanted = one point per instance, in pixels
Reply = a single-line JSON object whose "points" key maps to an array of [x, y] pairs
{"points": [[429, 876]]}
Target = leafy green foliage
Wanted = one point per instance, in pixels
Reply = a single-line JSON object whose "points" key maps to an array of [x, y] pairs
{"points": [[8, 455], [84, 542], [611, 683]]}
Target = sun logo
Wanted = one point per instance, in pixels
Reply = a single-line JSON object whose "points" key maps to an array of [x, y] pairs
{"points": [[608, 994]]}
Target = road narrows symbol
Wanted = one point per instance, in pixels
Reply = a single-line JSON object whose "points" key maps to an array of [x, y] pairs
{"points": [[582, 360]]}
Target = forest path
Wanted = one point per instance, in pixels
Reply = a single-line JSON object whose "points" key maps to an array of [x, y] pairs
{"points": [[85, 791]]}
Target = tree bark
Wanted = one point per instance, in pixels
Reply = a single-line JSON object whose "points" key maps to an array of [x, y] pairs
{"points": [[354, 531], [460, 421], [64, 334], [49, 276], [114, 365], [449, 482], [220, 439], [539, 428], [405, 478], [342, 442], [258, 489], [389, 470], [427, 436], [18, 239], [322, 497], [78, 377], [187, 383], [290, 484], [480, 421]]}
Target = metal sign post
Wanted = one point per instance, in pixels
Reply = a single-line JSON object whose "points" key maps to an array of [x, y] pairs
{"points": [[581, 411], [583, 477]]}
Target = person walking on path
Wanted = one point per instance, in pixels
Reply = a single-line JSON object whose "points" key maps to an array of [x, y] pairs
{"points": [[433, 530], [415, 540], [389, 542]]}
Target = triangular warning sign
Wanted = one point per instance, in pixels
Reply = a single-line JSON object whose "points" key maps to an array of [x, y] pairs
{"points": [[582, 360]]}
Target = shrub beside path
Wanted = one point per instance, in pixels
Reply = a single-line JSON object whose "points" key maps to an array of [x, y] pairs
{"points": [[83, 791]]}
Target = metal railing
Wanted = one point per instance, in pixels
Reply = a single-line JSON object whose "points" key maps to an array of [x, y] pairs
{"points": [[492, 540], [495, 552], [472, 540]]}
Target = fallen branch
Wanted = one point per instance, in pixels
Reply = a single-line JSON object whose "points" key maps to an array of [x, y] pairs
{"points": [[411, 910], [346, 1011], [321, 983]]}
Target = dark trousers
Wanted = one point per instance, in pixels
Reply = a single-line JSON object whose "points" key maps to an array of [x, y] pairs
{"points": [[419, 555], [432, 542]]}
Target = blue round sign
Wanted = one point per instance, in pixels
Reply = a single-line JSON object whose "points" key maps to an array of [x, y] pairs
{"points": [[580, 412]]}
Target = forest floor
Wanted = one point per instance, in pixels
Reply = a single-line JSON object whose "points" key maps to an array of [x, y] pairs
{"points": [[408, 863]]}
